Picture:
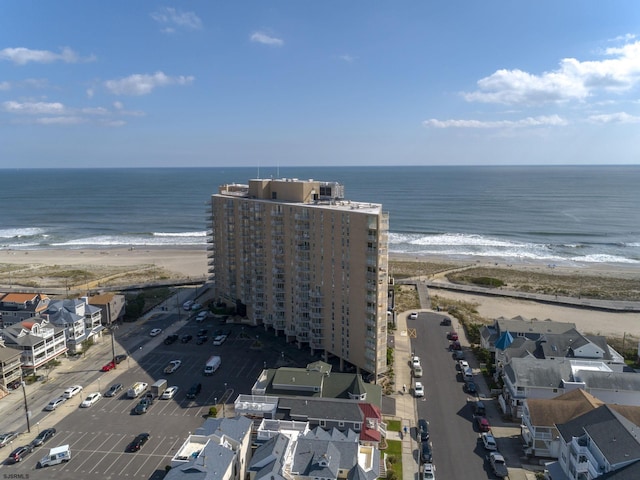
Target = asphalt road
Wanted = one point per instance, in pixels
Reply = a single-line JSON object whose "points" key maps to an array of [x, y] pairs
{"points": [[98, 435], [457, 452]]}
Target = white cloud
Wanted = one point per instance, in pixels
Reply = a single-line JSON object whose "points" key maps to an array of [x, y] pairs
{"points": [[22, 56], [5, 86], [266, 39], [542, 121], [169, 18], [34, 108], [347, 58], [90, 92], [573, 80], [114, 123], [59, 120], [118, 105], [95, 111], [143, 84], [618, 117]]}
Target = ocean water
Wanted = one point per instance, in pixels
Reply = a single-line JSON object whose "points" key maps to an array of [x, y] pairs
{"points": [[558, 215]]}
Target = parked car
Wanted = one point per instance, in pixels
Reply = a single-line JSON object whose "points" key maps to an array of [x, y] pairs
{"points": [[483, 424], [219, 340], [455, 346], [173, 366], [478, 408], [419, 389], [202, 316], [7, 438], [471, 387], [72, 391], [202, 332], [142, 407], [91, 399], [201, 339], [114, 390], [43, 436], [186, 338], [55, 403], [423, 430], [453, 336], [155, 332], [194, 390], [457, 354], [195, 307], [428, 471], [415, 361], [498, 465], [489, 441], [169, 393], [446, 321], [19, 453], [138, 442], [119, 358], [171, 339], [413, 316], [426, 455], [462, 365], [109, 366], [187, 305]]}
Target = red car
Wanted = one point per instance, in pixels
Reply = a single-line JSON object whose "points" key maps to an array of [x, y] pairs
{"points": [[109, 366], [453, 336], [483, 424]]}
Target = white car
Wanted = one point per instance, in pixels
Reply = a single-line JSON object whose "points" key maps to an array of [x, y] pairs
{"points": [[155, 332], [202, 316], [413, 316], [72, 391], [415, 361], [219, 340], [55, 403], [187, 305], [463, 365], [173, 366], [429, 471], [489, 441], [169, 393], [419, 390], [91, 399]]}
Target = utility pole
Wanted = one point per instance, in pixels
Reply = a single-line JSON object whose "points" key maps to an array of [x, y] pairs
{"points": [[26, 407]]}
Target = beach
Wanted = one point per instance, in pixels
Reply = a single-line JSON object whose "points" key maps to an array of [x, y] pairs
{"points": [[55, 268]]}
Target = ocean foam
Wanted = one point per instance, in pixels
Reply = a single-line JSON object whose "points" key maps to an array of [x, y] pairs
{"points": [[20, 232]]}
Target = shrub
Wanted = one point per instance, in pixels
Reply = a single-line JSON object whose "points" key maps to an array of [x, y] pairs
{"points": [[487, 282], [213, 412]]}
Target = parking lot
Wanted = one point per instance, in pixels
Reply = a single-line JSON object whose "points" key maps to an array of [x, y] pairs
{"points": [[98, 435]]}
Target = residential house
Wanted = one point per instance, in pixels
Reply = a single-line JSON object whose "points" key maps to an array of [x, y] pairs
{"points": [[81, 321], [10, 367], [112, 306], [16, 307], [519, 326], [219, 450], [37, 340], [599, 443], [529, 377], [312, 454]]}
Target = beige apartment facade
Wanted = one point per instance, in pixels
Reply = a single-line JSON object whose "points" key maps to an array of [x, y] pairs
{"points": [[295, 256]]}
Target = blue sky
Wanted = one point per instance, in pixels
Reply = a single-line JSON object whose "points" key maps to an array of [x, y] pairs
{"points": [[217, 83]]}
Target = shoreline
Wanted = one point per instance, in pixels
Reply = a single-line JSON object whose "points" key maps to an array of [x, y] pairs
{"points": [[191, 262]]}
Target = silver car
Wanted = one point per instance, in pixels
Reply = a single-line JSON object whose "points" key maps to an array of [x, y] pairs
{"points": [[55, 403]]}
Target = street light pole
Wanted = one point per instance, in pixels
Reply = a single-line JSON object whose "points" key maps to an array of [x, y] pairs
{"points": [[113, 346], [26, 407]]}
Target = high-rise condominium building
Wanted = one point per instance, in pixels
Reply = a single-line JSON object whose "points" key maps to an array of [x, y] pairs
{"points": [[295, 256]]}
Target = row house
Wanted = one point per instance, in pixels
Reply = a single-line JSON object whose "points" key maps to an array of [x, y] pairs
{"points": [[80, 320], [112, 306], [16, 307], [599, 443], [38, 341], [10, 368]]}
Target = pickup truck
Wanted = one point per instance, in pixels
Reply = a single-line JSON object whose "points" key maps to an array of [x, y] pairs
{"points": [[498, 465]]}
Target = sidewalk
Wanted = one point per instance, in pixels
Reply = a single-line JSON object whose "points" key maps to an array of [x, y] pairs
{"points": [[405, 402]]}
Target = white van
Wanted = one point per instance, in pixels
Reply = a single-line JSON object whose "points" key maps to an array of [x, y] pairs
{"points": [[56, 456]]}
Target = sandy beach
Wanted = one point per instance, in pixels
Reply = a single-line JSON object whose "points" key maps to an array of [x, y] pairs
{"points": [[57, 268]]}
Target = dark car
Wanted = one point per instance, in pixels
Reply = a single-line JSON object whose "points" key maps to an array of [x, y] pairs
{"points": [[426, 456], [478, 408], [194, 390], [202, 339], [446, 321], [44, 435], [186, 338], [423, 430], [142, 407], [137, 442], [471, 387], [113, 390], [19, 453], [202, 332], [171, 339], [119, 358]]}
